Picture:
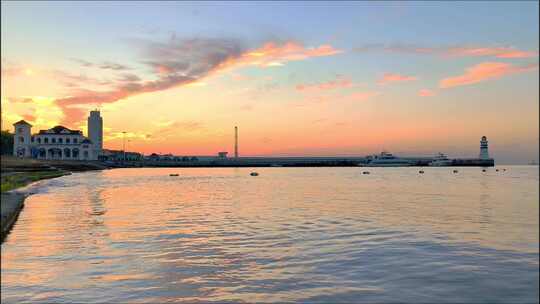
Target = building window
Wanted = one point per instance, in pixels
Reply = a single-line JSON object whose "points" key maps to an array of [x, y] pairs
{"points": [[67, 140], [32, 139], [39, 140], [60, 140], [20, 130], [53, 140], [74, 140], [46, 140], [21, 139]]}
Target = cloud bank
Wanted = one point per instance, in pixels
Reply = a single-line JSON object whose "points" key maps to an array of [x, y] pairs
{"points": [[181, 62]]}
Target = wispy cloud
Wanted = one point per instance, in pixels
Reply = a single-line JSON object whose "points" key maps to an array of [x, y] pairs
{"points": [[394, 77], [339, 82], [362, 96], [106, 65], [129, 77], [485, 71], [450, 51], [82, 62], [426, 93], [113, 66], [168, 128], [274, 54]]}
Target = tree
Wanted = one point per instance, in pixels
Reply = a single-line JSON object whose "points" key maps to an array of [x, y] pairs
{"points": [[7, 142]]}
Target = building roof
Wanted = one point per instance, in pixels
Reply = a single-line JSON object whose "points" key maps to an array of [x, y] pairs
{"points": [[22, 122], [60, 130]]}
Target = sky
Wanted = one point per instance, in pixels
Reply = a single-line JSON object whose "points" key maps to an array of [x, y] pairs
{"points": [[297, 78]]}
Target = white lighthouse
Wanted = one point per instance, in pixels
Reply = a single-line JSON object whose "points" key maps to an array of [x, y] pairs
{"points": [[484, 148]]}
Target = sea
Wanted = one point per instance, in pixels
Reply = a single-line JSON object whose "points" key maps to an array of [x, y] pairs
{"points": [[305, 235]]}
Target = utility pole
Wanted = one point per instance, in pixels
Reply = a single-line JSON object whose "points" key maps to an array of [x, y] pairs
{"points": [[124, 145], [127, 145]]}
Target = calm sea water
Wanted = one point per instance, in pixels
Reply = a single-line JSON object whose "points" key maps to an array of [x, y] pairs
{"points": [[289, 234]]}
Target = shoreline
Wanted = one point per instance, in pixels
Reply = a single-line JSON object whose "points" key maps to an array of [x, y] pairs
{"points": [[19, 174]]}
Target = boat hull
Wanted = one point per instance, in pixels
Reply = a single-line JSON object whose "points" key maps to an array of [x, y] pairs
{"points": [[386, 165]]}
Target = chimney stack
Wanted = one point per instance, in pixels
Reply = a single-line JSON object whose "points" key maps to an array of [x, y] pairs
{"points": [[236, 142]]}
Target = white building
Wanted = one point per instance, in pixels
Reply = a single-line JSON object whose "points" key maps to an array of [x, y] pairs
{"points": [[59, 142]]}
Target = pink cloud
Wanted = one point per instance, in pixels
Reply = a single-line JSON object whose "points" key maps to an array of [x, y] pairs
{"points": [[498, 52], [485, 71], [393, 77], [339, 82], [452, 51], [426, 93]]}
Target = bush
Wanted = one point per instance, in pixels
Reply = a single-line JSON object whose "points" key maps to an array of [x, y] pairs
{"points": [[7, 143]]}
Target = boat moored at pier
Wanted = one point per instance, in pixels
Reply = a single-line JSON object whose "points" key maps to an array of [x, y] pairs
{"points": [[386, 159], [440, 160]]}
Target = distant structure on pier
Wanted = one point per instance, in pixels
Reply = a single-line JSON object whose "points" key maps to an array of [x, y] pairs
{"points": [[484, 154], [236, 142]]}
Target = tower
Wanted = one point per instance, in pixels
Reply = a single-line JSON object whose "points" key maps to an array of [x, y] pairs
{"points": [[95, 130], [484, 148], [21, 139], [236, 142]]}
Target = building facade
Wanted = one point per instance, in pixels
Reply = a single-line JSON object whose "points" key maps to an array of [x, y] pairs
{"points": [[58, 143]]}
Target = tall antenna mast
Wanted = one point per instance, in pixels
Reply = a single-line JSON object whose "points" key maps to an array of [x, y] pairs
{"points": [[236, 142]]}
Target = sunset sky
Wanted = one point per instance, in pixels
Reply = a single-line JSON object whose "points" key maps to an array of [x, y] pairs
{"points": [[298, 78]]}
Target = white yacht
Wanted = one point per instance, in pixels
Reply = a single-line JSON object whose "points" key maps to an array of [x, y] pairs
{"points": [[386, 159], [440, 160]]}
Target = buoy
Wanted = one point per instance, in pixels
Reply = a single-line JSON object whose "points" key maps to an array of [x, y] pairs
{"points": [[483, 170], [173, 174], [254, 174], [421, 171], [504, 169], [497, 170], [455, 171], [365, 172]]}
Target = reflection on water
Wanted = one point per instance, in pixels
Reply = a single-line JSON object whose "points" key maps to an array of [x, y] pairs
{"points": [[290, 234]]}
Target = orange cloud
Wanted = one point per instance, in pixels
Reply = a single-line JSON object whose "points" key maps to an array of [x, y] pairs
{"points": [[426, 93], [273, 54], [485, 71], [392, 77], [339, 82]]}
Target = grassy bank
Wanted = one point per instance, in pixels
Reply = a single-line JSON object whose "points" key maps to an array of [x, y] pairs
{"points": [[21, 179]]}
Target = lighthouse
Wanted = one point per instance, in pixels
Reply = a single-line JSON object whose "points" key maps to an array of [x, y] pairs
{"points": [[484, 148]]}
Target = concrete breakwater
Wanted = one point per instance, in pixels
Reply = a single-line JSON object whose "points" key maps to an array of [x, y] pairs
{"points": [[300, 162]]}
